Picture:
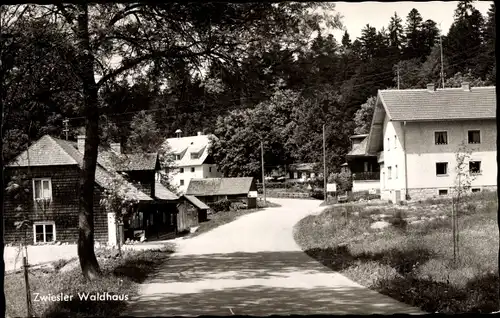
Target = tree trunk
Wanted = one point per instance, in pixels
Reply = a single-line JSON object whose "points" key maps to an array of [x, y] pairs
{"points": [[86, 254]]}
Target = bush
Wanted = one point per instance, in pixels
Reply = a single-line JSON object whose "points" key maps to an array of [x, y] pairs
{"points": [[238, 206], [343, 181], [318, 194], [221, 205]]}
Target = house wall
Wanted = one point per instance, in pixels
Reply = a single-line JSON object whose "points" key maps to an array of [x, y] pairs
{"points": [[201, 171], [423, 153], [143, 180], [365, 185], [392, 176], [63, 210]]}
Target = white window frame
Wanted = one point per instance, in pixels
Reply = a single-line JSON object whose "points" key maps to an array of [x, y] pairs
{"points": [[193, 169], [480, 137], [177, 157], [389, 173], [388, 143], [42, 180], [441, 131], [447, 167], [395, 171], [395, 141], [181, 182], [44, 231], [181, 170]]}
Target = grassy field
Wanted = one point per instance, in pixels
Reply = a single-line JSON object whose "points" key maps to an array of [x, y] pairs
{"points": [[413, 260], [121, 276], [220, 218]]}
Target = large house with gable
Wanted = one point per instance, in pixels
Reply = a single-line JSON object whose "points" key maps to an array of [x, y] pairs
{"points": [[191, 160], [416, 133], [49, 171]]}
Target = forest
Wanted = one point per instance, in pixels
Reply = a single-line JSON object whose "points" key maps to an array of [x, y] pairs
{"points": [[276, 82]]}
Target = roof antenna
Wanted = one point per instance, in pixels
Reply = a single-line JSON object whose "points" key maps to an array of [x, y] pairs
{"points": [[66, 130], [178, 132]]}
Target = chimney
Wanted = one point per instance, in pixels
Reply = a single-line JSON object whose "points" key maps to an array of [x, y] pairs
{"points": [[430, 87], [466, 86], [116, 147], [178, 133], [81, 143], [200, 133]]}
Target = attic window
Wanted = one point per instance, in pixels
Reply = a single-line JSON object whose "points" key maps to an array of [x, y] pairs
{"points": [[177, 157], [194, 155]]}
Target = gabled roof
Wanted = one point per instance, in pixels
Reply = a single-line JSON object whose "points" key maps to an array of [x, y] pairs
{"points": [[44, 152], [196, 202], [358, 149], [52, 151], [186, 145], [162, 193], [128, 162], [440, 104], [219, 186]]}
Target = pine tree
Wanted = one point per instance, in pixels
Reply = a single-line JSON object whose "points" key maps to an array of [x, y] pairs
{"points": [[413, 35], [396, 35]]}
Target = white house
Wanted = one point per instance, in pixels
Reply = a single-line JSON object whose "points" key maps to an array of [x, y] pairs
{"points": [[416, 134], [191, 160]]}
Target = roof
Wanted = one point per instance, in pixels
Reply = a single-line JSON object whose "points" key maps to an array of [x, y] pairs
{"points": [[184, 146], [301, 166], [358, 136], [196, 202], [163, 193], [358, 149], [128, 162], [52, 151], [441, 104], [219, 186]]}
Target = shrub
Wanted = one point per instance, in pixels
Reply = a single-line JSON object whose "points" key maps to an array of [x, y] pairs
{"points": [[318, 194], [221, 205], [343, 181], [398, 220]]}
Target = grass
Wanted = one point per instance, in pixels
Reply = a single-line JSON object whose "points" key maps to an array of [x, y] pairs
{"points": [[220, 218], [413, 263], [120, 277]]}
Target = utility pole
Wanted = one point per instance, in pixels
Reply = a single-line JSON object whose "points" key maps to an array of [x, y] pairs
{"points": [[66, 129], [442, 67], [324, 164], [398, 75], [263, 177]]}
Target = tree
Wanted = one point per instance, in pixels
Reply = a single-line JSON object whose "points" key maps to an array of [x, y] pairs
{"points": [[144, 134], [458, 79], [364, 115], [429, 34], [413, 35], [153, 37], [408, 73], [396, 36]]}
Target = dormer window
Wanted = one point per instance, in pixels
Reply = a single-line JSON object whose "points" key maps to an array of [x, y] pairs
{"points": [[177, 157], [194, 155]]}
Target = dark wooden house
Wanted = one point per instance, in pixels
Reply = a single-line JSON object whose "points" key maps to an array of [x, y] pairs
{"points": [[48, 174], [362, 165], [234, 189]]}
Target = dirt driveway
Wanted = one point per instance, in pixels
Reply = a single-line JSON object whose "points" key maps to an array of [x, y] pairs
{"points": [[253, 266]]}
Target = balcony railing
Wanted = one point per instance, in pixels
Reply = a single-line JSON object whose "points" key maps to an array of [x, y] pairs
{"points": [[366, 176]]}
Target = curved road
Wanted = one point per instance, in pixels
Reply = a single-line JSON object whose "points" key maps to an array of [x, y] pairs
{"points": [[253, 266]]}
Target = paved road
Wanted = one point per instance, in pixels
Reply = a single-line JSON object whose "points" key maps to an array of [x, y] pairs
{"points": [[253, 266]]}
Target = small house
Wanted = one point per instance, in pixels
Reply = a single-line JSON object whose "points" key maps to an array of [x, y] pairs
{"points": [[208, 190]]}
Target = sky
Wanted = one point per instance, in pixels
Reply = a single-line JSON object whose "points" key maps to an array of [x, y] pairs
{"points": [[378, 14]]}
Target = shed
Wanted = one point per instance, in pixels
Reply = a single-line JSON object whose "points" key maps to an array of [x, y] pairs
{"points": [[242, 189]]}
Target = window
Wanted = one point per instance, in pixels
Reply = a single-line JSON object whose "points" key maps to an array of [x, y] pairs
{"points": [[383, 180], [474, 137], [177, 157], [443, 192], [181, 170], [474, 190], [44, 232], [389, 172], [182, 182], [441, 138], [192, 169], [388, 143], [395, 141], [395, 171], [209, 169], [194, 155], [441, 168], [42, 191], [475, 167]]}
